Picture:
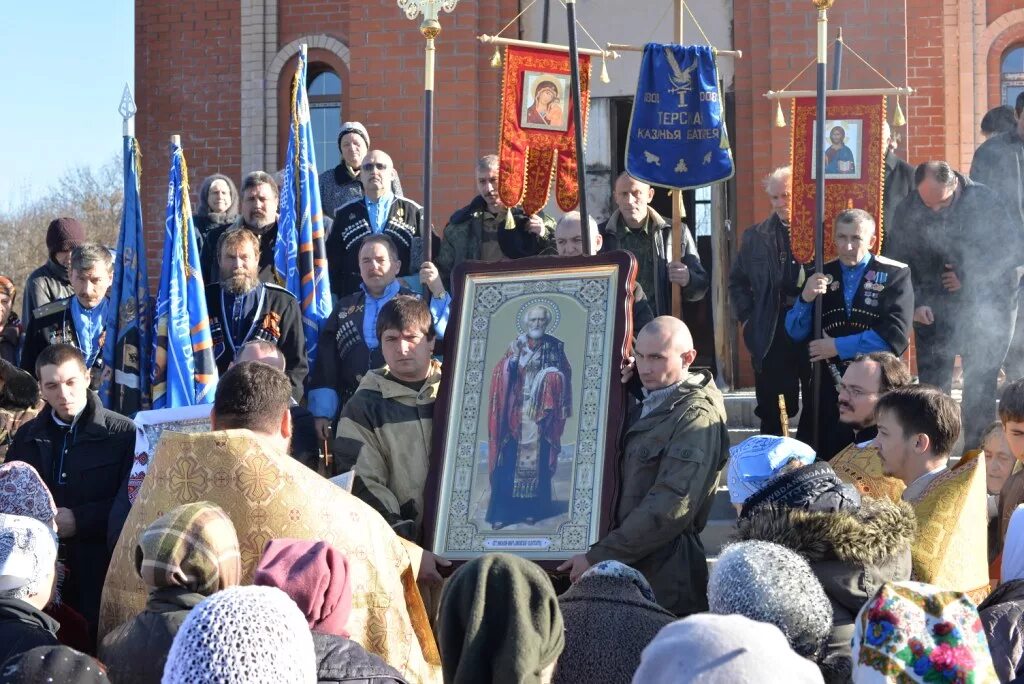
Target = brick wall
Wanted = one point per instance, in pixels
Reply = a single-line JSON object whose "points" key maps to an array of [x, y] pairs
{"points": [[187, 82]]}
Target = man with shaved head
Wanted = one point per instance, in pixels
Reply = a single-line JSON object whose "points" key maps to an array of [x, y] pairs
{"points": [[672, 454], [569, 243], [378, 212]]}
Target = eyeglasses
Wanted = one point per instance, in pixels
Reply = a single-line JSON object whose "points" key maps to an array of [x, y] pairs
{"points": [[370, 166], [855, 392]]}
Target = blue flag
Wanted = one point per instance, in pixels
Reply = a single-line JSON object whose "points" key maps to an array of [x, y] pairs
{"points": [[184, 370], [126, 347], [677, 136], [299, 255]]}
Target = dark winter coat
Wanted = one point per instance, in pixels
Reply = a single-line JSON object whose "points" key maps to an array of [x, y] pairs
{"points": [[101, 450], [999, 164], [46, 284], [669, 468], [763, 281], [135, 652], [342, 660], [276, 319], [352, 223], [1002, 615], [10, 338], [24, 627], [851, 551], [608, 623], [462, 236], [899, 183], [975, 234], [210, 223]]}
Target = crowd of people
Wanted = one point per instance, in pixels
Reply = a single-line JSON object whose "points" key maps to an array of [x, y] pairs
{"points": [[884, 553]]}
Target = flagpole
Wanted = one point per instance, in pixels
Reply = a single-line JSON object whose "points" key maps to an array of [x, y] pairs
{"points": [[819, 201], [577, 116], [430, 28]]}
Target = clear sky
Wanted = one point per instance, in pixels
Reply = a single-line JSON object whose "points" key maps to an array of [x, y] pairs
{"points": [[65, 64]]}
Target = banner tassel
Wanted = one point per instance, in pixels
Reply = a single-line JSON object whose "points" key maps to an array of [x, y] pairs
{"points": [[897, 118], [604, 70], [780, 118], [496, 58]]}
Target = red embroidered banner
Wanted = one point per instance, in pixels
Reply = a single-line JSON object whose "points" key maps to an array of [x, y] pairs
{"points": [[537, 138], [854, 167]]}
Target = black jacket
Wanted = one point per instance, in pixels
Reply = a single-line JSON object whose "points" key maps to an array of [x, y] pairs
{"points": [[53, 324], [763, 282], [135, 652], [342, 660], [276, 319], [899, 183], [10, 338], [343, 357], [999, 164], [1002, 614], [883, 302], [352, 224], [24, 627], [852, 551], [46, 284], [975, 234], [100, 453]]}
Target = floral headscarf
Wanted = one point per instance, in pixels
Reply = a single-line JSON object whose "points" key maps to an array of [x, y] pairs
{"points": [[23, 492], [917, 632]]}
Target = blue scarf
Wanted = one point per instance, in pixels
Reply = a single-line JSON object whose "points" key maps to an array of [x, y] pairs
{"points": [[89, 324]]}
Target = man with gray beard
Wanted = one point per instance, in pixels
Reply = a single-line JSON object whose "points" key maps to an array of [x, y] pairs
{"points": [[243, 309]]}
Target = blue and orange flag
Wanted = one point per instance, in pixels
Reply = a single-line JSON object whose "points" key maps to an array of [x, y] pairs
{"points": [[125, 386], [184, 369], [299, 255]]}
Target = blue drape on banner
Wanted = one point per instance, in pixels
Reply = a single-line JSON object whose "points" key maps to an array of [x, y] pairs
{"points": [[125, 386], [184, 370], [299, 254], [677, 136]]}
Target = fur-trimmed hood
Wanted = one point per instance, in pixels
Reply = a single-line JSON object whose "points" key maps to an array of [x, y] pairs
{"points": [[879, 529]]}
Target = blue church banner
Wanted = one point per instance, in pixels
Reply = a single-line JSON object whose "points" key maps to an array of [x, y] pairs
{"points": [[677, 136]]}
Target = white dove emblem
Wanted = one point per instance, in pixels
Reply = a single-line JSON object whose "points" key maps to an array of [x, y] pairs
{"points": [[682, 79]]}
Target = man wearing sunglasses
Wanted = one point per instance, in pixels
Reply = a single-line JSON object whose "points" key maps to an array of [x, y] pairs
{"points": [[378, 212]]}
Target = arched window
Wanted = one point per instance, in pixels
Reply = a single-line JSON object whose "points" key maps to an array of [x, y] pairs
{"points": [[1012, 75], [324, 90]]}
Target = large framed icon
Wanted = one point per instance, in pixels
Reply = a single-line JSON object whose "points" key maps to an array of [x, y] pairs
{"points": [[530, 409]]}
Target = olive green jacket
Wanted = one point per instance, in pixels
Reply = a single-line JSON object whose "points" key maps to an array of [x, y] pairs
{"points": [[669, 469]]}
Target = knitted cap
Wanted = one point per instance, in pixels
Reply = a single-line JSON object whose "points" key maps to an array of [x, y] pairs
{"points": [[353, 127], [917, 632], [52, 664], [28, 557], [499, 622], [194, 547], [23, 492], [63, 235], [756, 460], [769, 583], [315, 576], [243, 635], [722, 648]]}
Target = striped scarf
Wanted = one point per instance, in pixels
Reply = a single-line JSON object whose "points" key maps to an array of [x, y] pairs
{"points": [[193, 546]]}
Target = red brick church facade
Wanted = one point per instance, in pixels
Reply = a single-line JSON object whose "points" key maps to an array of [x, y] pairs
{"points": [[218, 71]]}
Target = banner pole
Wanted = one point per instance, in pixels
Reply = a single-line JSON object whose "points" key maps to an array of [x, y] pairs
{"points": [[678, 210], [577, 116], [819, 202]]}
